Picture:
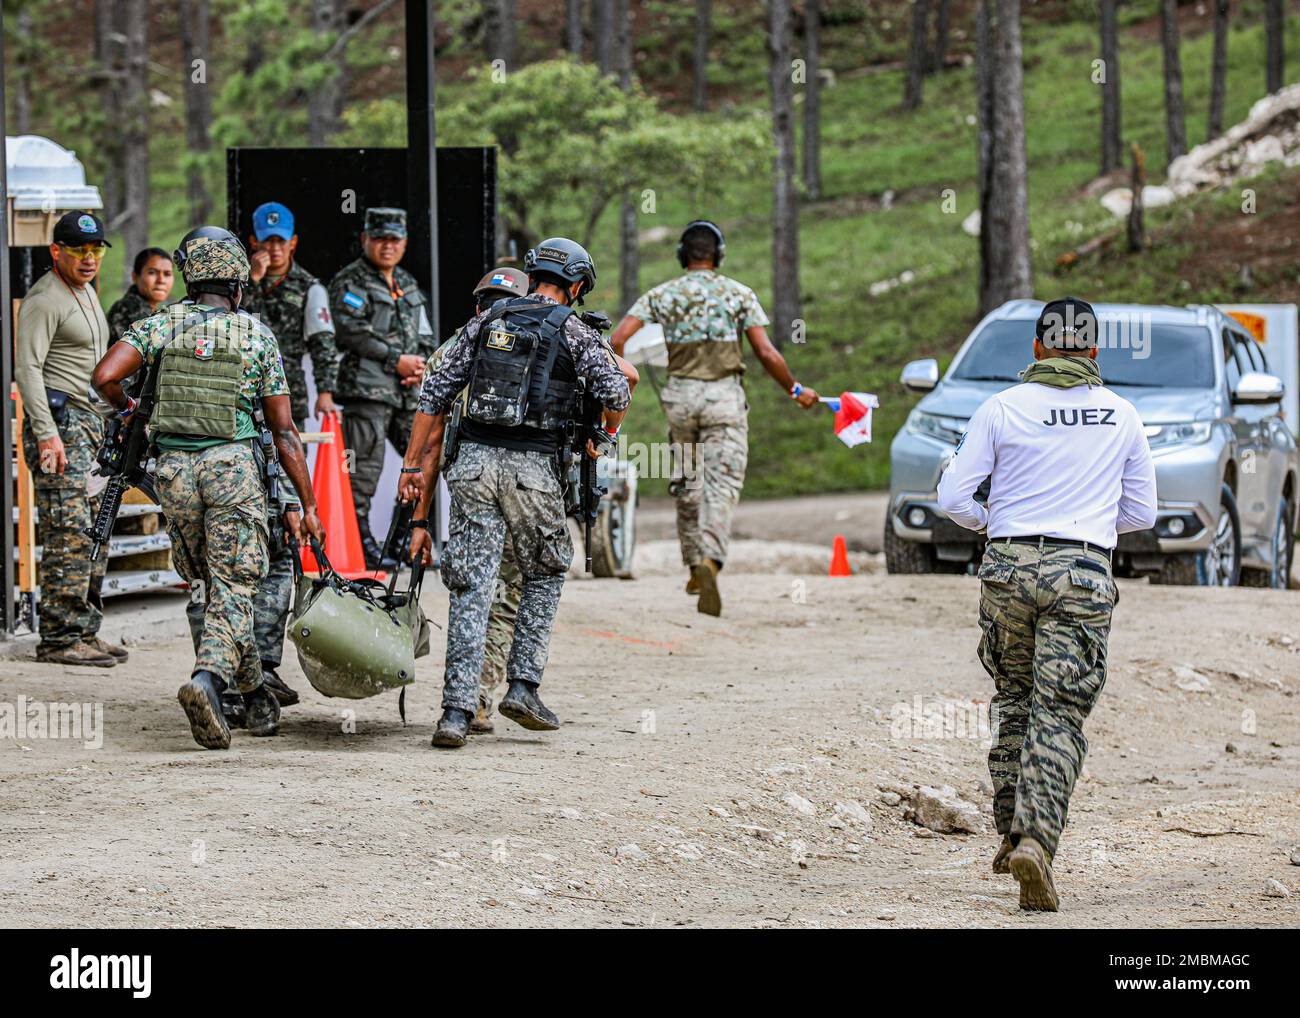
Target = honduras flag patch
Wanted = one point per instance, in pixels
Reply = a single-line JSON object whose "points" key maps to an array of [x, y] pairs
{"points": [[353, 301]]}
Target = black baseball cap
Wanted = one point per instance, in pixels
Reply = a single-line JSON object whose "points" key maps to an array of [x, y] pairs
{"points": [[1067, 324], [77, 227]]}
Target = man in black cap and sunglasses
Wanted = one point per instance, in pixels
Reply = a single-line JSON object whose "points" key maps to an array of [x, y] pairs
{"points": [[1069, 468], [62, 333]]}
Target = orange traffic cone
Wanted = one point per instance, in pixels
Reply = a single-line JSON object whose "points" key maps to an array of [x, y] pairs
{"points": [[338, 515], [840, 558]]}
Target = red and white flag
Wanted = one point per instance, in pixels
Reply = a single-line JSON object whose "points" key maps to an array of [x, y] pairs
{"points": [[852, 416]]}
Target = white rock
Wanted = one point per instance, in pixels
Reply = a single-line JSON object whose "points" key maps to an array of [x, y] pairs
{"points": [[1190, 680], [890, 798], [1276, 889], [853, 811], [944, 811], [783, 769], [799, 804], [971, 224], [630, 851]]}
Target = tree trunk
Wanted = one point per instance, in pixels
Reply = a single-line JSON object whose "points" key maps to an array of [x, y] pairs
{"points": [[1175, 127], [1218, 69], [499, 31], [195, 85], [23, 73], [700, 57], [629, 253], [602, 33], [942, 22], [325, 103], [1111, 156], [1274, 33], [917, 54], [812, 101], [135, 136], [785, 203], [110, 61], [1008, 273], [573, 27], [1136, 229]]}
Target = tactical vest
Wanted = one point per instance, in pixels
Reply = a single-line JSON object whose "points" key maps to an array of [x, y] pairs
{"points": [[523, 388], [198, 381]]}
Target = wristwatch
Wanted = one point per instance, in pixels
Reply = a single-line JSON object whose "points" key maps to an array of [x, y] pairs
{"points": [[419, 524]]}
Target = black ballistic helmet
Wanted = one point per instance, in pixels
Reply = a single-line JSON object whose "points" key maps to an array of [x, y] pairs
{"points": [[567, 259], [720, 245], [1067, 324]]}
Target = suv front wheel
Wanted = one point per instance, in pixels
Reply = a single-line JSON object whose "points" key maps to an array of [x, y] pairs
{"points": [[1219, 565]]}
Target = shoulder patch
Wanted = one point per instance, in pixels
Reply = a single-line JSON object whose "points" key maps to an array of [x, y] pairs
{"points": [[353, 301]]}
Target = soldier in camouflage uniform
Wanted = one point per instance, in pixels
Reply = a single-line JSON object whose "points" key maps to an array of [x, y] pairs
{"points": [[61, 333], [294, 304], [423, 460], [215, 365], [504, 478], [385, 335], [704, 314], [1069, 469], [151, 286]]}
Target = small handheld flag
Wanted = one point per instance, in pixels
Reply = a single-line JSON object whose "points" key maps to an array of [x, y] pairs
{"points": [[852, 416]]}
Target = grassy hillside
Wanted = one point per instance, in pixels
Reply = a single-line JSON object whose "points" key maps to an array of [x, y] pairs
{"points": [[856, 341]]}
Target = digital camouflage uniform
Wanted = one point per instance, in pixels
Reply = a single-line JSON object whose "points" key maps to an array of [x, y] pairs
{"points": [[283, 305], [213, 496], [374, 326], [70, 606], [296, 309], [704, 315], [126, 311], [505, 598], [498, 491], [1045, 615]]}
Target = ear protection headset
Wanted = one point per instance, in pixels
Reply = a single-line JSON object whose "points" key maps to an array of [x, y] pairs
{"points": [[712, 228]]}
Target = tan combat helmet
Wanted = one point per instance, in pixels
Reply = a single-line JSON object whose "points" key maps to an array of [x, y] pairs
{"points": [[503, 281]]}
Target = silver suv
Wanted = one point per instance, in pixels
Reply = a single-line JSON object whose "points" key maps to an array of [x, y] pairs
{"points": [[1225, 461]]}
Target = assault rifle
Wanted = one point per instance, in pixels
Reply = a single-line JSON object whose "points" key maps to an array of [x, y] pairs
{"points": [[583, 493]]}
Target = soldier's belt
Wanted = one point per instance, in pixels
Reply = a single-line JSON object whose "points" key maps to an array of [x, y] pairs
{"points": [[1052, 542]]}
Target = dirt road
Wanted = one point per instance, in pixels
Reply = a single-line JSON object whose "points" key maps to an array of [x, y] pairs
{"points": [[709, 772]]}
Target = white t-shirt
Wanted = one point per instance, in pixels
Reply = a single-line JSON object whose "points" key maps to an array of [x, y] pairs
{"points": [[1071, 463]]}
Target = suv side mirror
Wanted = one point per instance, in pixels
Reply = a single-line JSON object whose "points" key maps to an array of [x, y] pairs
{"points": [[1257, 387], [922, 376]]}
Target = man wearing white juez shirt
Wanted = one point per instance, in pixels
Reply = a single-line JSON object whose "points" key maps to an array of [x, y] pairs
{"points": [[1069, 468]]}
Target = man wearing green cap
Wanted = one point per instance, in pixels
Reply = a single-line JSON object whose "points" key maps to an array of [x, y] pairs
{"points": [[383, 330]]}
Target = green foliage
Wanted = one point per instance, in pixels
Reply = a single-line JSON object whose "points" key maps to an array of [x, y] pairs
{"points": [[571, 141]]}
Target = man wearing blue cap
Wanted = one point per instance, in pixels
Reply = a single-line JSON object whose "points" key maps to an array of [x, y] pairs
{"points": [[295, 305]]}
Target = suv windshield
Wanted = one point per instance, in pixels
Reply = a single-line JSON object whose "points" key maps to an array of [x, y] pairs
{"points": [[1162, 356]]}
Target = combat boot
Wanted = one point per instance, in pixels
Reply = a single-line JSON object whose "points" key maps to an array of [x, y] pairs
{"points": [[1032, 867], [104, 647], [232, 706], [278, 688], [1000, 857], [524, 707], [692, 587], [453, 728], [201, 700], [263, 712], [482, 723], [705, 576], [79, 653]]}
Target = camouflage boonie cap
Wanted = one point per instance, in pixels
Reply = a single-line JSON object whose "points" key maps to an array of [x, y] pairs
{"points": [[385, 222], [214, 258]]}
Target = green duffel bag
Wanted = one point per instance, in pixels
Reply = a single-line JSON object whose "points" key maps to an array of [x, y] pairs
{"points": [[356, 638]]}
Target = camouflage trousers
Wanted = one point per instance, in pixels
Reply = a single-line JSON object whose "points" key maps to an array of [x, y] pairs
{"points": [[1045, 614], [70, 604], [708, 426], [494, 493], [215, 506], [502, 614], [270, 609], [366, 427]]}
